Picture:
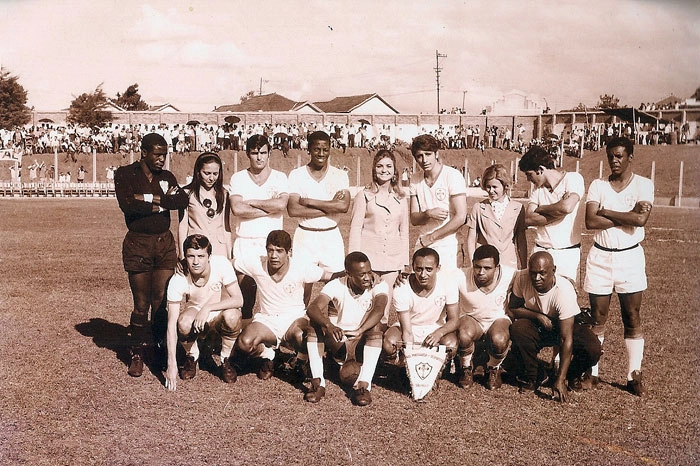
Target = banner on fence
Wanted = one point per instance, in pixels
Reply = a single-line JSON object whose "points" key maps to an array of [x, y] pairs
{"points": [[10, 155]]}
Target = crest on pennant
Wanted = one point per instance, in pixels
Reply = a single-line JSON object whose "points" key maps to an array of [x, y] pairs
{"points": [[423, 365]]}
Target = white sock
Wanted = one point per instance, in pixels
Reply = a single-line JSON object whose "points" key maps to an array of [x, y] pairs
{"points": [[495, 362], [635, 352], [227, 347], [466, 360], [316, 349], [268, 353], [370, 356], [594, 369], [191, 349]]}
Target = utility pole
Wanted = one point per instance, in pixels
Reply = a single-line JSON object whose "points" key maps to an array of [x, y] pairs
{"points": [[437, 68], [464, 94], [260, 91]]}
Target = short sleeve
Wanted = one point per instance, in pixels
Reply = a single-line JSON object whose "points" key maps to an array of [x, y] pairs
{"points": [[517, 286], [313, 273], [594, 192], [646, 190], [228, 274], [456, 183], [380, 288], [473, 215], [401, 301], [177, 287], [575, 184], [451, 289]]}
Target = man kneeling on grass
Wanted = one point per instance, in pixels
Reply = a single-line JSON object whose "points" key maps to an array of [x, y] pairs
{"points": [[195, 308], [544, 306], [359, 298]]}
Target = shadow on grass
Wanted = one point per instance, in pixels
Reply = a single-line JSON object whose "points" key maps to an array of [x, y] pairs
{"points": [[115, 337]]}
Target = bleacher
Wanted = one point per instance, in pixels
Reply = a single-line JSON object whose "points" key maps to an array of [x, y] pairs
{"points": [[51, 189]]}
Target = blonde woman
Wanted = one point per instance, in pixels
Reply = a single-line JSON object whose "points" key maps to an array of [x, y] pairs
{"points": [[498, 220], [379, 225]]}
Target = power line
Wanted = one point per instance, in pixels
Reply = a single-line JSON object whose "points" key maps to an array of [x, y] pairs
{"points": [[437, 69]]}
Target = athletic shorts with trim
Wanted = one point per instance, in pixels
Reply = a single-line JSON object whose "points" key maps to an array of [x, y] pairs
{"points": [[143, 252], [486, 324], [420, 332], [621, 271], [278, 324], [325, 248], [567, 261]]}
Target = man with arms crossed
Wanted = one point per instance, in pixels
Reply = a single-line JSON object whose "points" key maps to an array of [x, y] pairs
{"points": [[618, 208], [203, 309], [438, 201], [544, 306], [553, 209], [282, 316], [360, 299], [483, 289], [427, 305], [258, 200], [317, 192]]}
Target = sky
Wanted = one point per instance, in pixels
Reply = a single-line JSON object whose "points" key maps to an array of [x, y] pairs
{"points": [[200, 54]]}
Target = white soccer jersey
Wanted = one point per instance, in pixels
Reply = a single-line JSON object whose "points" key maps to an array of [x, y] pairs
{"points": [[566, 231], [448, 183], [221, 275], [352, 309], [558, 303], [303, 184], [243, 185], [285, 297], [484, 307], [430, 309], [624, 236]]}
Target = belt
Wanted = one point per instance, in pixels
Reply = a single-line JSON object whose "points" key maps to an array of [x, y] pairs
{"points": [[318, 229], [575, 246], [603, 248]]}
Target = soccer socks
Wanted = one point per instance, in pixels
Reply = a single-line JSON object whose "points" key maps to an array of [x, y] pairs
{"points": [[370, 359], [191, 349], [267, 353], [465, 360], [635, 352], [316, 350], [495, 362], [594, 369]]}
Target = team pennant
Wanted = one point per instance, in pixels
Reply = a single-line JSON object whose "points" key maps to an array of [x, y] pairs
{"points": [[423, 366]]}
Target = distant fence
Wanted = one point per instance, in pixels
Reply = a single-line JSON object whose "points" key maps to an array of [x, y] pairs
{"points": [[50, 189], [408, 125]]}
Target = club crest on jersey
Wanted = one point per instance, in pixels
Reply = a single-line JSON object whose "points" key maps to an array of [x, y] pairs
{"points": [[441, 194], [630, 200], [500, 299], [440, 301], [289, 288], [216, 286]]}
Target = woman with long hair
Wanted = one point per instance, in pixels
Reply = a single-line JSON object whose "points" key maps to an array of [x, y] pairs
{"points": [[379, 224], [498, 220], [207, 211]]}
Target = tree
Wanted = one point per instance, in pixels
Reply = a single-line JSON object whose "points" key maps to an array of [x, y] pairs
{"points": [[247, 96], [581, 107], [88, 109], [13, 101], [131, 99], [608, 101]]}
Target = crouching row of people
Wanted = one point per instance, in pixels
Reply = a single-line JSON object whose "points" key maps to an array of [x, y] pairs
{"points": [[348, 321]]}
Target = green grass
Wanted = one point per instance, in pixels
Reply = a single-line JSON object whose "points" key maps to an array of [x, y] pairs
{"points": [[66, 397]]}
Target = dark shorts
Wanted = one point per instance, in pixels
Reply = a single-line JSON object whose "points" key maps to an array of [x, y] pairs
{"points": [[143, 252]]}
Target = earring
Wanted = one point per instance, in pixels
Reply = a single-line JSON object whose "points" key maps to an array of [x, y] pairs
{"points": [[393, 179]]}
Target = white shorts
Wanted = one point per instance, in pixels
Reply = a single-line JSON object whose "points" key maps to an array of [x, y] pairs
{"points": [[621, 271], [278, 324], [247, 247], [420, 332], [325, 248], [486, 324], [567, 261]]}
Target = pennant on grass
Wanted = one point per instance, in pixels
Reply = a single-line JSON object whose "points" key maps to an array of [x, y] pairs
{"points": [[423, 366]]}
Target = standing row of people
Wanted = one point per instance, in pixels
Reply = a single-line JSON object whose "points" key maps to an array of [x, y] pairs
{"points": [[317, 194]]}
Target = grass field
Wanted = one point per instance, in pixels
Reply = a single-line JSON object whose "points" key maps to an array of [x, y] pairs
{"points": [[66, 397]]}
